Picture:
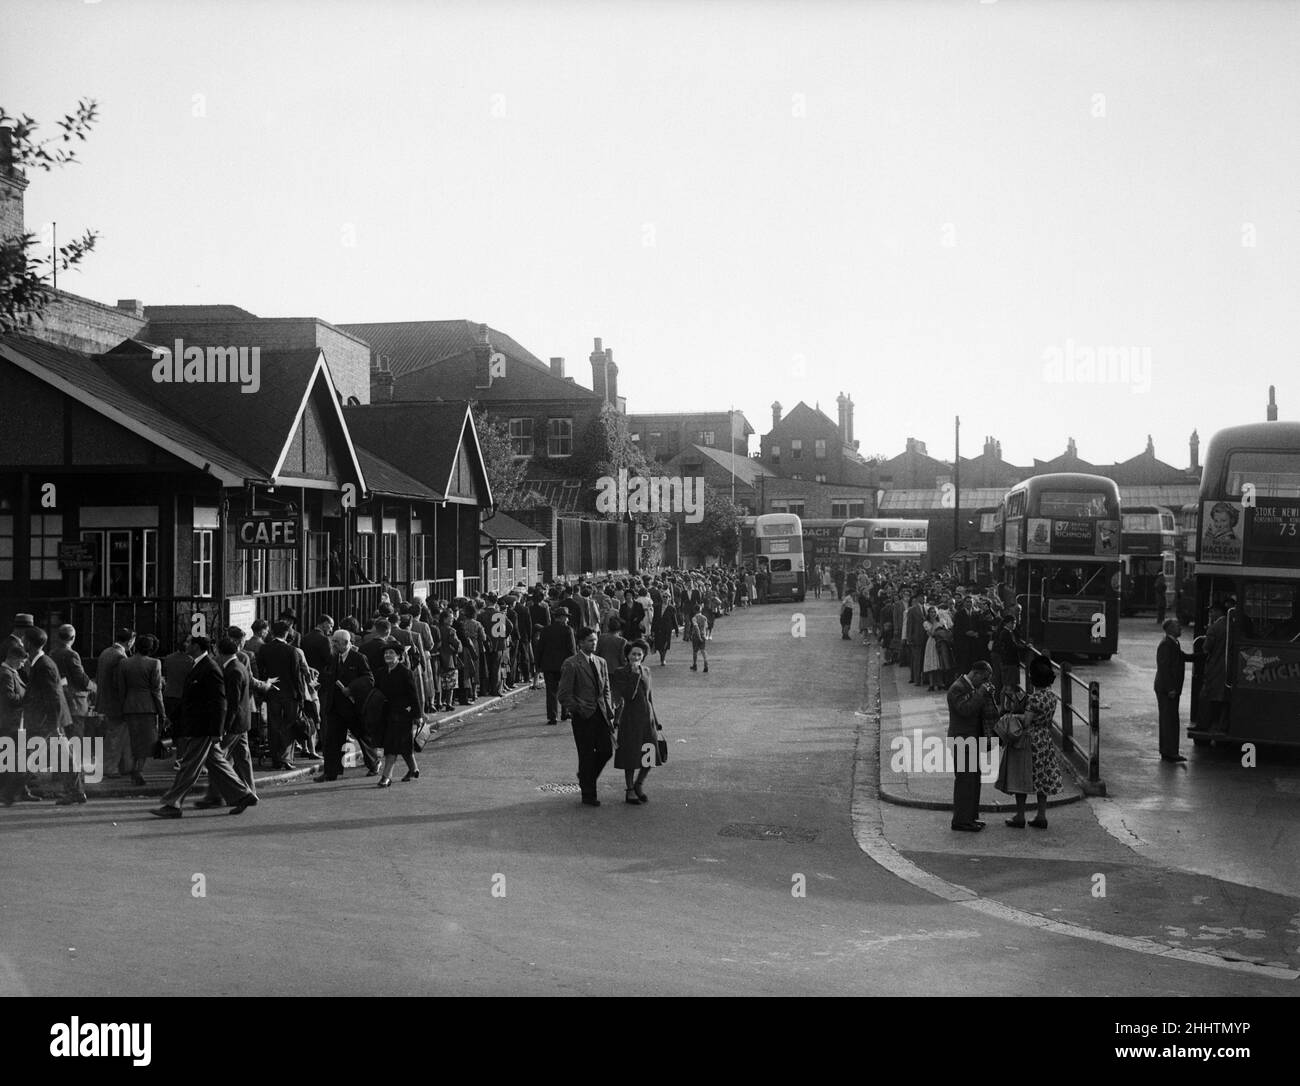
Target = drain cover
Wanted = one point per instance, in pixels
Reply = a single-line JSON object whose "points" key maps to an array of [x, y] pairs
{"points": [[563, 789], [756, 832]]}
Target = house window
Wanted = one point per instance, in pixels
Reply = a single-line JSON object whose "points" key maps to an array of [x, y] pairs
{"points": [[796, 449], [366, 553], [521, 437], [706, 437], [819, 448], [420, 558], [389, 555], [846, 509], [253, 571], [47, 534], [318, 559], [6, 548], [776, 453], [281, 570], [636, 438], [126, 562], [988, 522], [559, 438], [203, 544], [820, 477], [655, 435]]}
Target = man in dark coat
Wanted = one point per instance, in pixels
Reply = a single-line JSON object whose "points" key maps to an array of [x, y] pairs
{"points": [[240, 686], [316, 643], [585, 693], [970, 704], [203, 718], [13, 658], [108, 702], [278, 660], [1170, 672], [345, 683], [46, 713], [964, 633], [555, 646]]}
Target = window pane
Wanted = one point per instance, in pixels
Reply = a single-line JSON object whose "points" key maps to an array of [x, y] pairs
{"points": [[6, 569]]}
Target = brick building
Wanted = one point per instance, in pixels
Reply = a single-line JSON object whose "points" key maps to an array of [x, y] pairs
{"points": [[664, 436]]}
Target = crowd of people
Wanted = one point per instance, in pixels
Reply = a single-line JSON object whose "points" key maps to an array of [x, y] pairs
{"points": [[275, 693]]}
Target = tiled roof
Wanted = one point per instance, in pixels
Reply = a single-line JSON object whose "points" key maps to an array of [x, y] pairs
{"points": [[503, 529], [413, 345], [1171, 497], [196, 313], [419, 439], [745, 468], [382, 478], [908, 500]]}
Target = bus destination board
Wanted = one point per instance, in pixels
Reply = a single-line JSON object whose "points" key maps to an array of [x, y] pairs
{"points": [[1274, 526]]}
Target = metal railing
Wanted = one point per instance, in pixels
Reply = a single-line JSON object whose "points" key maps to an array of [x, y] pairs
{"points": [[1085, 756]]}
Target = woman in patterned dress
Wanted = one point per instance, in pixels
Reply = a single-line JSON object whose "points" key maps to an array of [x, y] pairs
{"points": [[931, 668], [1038, 719]]}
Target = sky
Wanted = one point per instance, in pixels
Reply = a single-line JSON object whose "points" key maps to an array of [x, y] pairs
{"points": [[938, 208]]}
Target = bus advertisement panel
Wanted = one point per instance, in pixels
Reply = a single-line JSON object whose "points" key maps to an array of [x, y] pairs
{"points": [[1061, 540], [894, 542], [1246, 675]]}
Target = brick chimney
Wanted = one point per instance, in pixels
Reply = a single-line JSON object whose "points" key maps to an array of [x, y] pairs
{"points": [[848, 415], [599, 374], [381, 380], [1194, 450], [12, 186], [1151, 446], [990, 448], [840, 403], [611, 376], [482, 358], [1272, 404], [131, 305], [557, 367], [776, 414], [1071, 449]]}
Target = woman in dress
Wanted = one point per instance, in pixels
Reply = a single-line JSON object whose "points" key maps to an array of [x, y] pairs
{"points": [[666, 624], [448, 662], [471, 652], [401, 714], [142, 702], [1039, 714], [931, 668], [637, 748]]}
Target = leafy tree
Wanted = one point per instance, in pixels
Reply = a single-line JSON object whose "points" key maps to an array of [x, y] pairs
{"points": [[605, 449], [23, 293], [505, 473], [718, 534]]}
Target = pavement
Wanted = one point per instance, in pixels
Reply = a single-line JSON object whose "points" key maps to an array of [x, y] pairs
{"points": [[159, 774]]}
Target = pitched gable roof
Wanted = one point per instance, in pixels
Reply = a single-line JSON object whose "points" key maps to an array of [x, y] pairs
{"points": [[415, 345], [503, 529], [196, 313], [801, 415], [745, 468], [424, 440]]}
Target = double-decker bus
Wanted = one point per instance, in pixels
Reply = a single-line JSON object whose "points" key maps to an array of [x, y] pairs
{"points": [[883, 543], [777, 548], [1147, 541], [1248, 560], [1060, 547]]}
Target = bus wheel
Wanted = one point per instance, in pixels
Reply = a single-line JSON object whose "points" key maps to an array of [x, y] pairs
{"points": [[1200, 740], [1107, 655]]}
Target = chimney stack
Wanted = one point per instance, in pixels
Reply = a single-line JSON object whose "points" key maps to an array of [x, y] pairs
{"points": [[599, 373], [1151, 446], [1194, 448], [841, 402], [381, 380], [776, 414], [611, 376], [1071, 449], [1272, 405], [557, 367], [12, 186], [131, 305], [482, 359], [990, 447]]}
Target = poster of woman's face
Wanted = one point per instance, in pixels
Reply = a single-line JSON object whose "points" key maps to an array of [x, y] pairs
{"points": [[1220, 538]]}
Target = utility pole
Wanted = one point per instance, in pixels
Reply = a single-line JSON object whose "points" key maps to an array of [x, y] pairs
{"points": [[956, 483]]}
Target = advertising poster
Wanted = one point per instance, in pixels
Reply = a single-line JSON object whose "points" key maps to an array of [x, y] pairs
{"points": [[1275, 667], [1221, 541], [1039, 536], [1108, 538]]}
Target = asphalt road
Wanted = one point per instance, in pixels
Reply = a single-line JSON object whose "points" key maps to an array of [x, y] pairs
{"points": [[347, 889]]}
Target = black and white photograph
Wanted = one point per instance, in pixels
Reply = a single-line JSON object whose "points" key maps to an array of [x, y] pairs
{"points": [[660, 498]]}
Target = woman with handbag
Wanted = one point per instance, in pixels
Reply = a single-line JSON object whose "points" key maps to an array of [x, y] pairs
{"points": [[637, 746], [401, 714], [931, 668], [1044, 768], [449, 652]]}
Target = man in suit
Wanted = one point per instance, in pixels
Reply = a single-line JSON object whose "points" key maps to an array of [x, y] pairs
{"points": [[1170, 672], [316, 643], [46, 713], [77, 685], [108, 703], [344, 684], [203, 718], [970, 703], [584, 692], [278, 660], [523, 661], [13, 658], [914, 634], [239, 719], [556, 645]]}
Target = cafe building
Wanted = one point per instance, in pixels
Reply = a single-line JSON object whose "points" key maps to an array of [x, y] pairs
{"points": [[173, 500]]}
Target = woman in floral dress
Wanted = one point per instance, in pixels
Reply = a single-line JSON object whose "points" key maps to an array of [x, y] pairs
{"points": [[1039, 714]]}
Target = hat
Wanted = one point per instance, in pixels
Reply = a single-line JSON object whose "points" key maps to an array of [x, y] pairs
{"points": [[23, 622]]}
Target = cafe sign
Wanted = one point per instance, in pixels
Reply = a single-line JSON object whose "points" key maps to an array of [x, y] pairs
{"points": [[266, 533]]}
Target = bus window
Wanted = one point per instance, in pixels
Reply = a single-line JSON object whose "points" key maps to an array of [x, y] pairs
{"points": [[1089, 580], [1273, 474], [1271, 611], [780, 565]]}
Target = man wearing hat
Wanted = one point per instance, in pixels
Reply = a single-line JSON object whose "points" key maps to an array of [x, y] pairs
{"points": [[555, 645], [1170, 672]]}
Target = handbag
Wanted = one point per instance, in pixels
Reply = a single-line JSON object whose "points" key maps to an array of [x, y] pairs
{"points": [[423, 735], [1011, 729]]}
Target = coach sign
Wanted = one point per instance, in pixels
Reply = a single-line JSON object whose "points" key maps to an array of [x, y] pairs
{"points": [[266, 533]]}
